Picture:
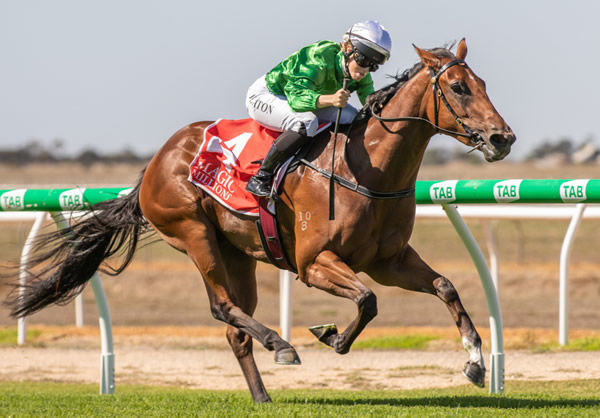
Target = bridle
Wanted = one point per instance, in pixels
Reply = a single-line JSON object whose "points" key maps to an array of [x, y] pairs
{"points": [[438, 95]]}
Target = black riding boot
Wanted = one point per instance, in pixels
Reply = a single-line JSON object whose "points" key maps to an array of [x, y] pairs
{"points": [[284, 147]]}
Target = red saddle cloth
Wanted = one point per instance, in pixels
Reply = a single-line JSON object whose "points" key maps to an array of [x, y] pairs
{"points": [[229, 155]]}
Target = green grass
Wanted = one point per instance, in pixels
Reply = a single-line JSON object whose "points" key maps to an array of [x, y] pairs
{"points": [[578, 344], [570, 398], [395, 342], [8, 335]]}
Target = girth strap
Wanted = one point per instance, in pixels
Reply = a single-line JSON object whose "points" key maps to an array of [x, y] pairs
{"points": [[268, 228], [270, 237]]}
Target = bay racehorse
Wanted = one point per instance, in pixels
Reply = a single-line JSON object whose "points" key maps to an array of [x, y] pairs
{"points": [[381, 152]]}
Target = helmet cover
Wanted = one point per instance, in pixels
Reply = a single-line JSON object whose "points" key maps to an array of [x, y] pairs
{"points": [[370, 39]]}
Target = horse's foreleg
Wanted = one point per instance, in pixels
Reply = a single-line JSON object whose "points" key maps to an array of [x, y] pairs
{"points": [[474, 369], [331, 274], [410, 272]]}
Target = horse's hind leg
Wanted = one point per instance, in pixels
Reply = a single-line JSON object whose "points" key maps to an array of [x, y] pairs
{"points": [[201, 245], [410, 272], [242, 285], [331, 274]]}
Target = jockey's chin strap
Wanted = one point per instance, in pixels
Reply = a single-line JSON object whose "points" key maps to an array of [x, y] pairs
{"points": [[438, 95]]}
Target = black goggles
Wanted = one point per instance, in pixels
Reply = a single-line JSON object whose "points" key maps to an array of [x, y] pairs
{"points": [[365, 62]]}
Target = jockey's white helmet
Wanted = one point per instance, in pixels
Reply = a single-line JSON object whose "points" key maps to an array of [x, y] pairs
{"points": [[370, 39]]}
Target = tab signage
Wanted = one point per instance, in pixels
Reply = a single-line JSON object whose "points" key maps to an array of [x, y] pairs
{"points": [[443, 192], [573, 191], [507, 191], [72, 199], [13, 200]]}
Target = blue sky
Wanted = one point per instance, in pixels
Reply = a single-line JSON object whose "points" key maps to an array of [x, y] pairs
{"points": [[117, 74]]}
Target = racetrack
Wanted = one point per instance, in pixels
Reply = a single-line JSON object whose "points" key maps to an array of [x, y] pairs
{"points": [[198, 357]]}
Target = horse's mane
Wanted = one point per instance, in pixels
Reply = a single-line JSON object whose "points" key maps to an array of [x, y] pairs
{"points": [[380, 98]]}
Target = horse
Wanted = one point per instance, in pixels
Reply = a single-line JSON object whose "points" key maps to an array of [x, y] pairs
{"points": [[380, 156]]}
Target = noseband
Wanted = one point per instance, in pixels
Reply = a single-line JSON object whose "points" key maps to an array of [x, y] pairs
{"points": [[438, 95]]}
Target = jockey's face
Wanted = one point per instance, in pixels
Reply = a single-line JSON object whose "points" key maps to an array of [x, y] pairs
{"points": [[356, 71]]}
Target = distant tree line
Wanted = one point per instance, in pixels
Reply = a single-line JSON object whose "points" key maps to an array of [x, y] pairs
{"points": [[561, 150], [565, 150], [35, 151]]}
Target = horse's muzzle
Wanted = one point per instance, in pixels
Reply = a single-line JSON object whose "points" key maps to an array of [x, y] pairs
{"points": [[497, 145]]}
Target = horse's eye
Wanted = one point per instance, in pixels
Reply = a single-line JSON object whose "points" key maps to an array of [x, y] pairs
{"points": [[459, 88]]}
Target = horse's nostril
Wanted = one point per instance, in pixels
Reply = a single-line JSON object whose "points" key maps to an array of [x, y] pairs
{"points": [[501, 141]]}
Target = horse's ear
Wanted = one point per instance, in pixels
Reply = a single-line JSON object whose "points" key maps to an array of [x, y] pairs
{"points": [[461, 50], [428, 58]]}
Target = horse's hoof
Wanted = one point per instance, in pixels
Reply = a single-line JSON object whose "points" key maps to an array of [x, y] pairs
{"points": [[341, 349], [261, 398], [474, 373], [323, 332], [287, 356]]}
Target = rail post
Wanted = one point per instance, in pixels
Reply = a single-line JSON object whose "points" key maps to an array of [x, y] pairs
{"points": [[285, 304], [35, 229], [107, 357], [497, 339], [565, 255]]}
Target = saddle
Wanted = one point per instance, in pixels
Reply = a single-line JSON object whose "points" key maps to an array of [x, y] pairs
{"points": [[230, 154]]}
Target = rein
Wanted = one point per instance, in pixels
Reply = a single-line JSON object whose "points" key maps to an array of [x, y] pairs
{"points": [[438, 95]]}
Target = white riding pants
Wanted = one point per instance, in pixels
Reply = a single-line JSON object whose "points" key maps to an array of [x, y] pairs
{"points": [[274, 112]]}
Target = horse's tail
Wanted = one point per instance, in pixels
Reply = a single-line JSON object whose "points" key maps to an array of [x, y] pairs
{"points": [[65, 260]]}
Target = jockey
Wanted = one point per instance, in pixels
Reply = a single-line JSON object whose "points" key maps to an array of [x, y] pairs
{"points": [[306, 88]]}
